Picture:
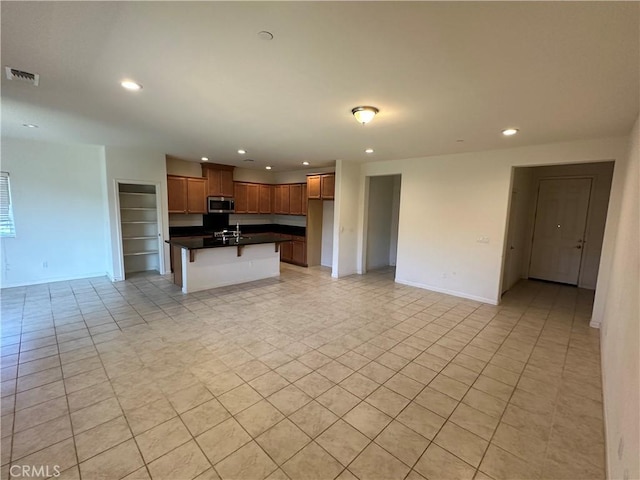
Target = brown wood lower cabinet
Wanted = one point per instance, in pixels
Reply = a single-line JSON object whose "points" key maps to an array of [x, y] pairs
{"points": [[294, 251], [286, 252]]}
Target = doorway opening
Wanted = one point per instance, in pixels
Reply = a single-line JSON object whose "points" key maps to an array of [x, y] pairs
{"points": [[382, 219], [139, 228], [556, 221], [320, 233]]}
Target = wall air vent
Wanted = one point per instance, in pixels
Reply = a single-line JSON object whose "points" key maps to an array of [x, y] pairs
{"points": [[21, 76]]}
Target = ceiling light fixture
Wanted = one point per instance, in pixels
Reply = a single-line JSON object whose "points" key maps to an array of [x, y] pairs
{"points": [[507, 132], [130, 85], [264, 35], [242, 152], [364, 114], [268, 167], [369, 150], [29, 125], [305, 163], [205, 159]]}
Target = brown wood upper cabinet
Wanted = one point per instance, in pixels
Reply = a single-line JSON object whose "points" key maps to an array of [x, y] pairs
{"points": [[219, 179], [241, 197], [328, 186], [266, 198], [248, 197], [253, 198], [186, 194], [305, 201], [321, 187], [313, 187], [295, 199], [282, 199]]}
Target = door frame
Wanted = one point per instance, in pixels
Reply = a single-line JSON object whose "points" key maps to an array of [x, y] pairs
{"points": [[364, 245], [587, 224], [508, 256], [120, 274]]}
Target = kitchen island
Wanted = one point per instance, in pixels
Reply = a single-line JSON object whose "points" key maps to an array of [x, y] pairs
{"points": [[207, 262]]}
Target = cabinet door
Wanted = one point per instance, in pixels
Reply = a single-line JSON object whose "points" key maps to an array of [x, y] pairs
{"points": [[313, 187], [295, 199], [226, 183], [328, 186], [177, 194], [213, 182], [305, 200], [284, 199], [286, 251], [299, 252], [253, 198], [241, 198], [196, 195], [266, 192]]}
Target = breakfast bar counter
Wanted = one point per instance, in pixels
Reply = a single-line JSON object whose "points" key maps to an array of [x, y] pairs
{"points": [[206, 262]]}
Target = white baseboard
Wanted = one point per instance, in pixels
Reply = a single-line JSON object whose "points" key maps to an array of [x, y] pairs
{"points": [[490, 301], [64, 278]]}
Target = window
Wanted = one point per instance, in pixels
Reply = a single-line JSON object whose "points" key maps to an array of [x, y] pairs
{"points": [[7, 228]]}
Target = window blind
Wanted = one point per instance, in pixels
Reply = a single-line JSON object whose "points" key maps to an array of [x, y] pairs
{"points": [[7, 227]]}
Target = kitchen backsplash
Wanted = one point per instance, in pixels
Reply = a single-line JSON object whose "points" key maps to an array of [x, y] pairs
{"points": [[182, 220], [250, 219]]}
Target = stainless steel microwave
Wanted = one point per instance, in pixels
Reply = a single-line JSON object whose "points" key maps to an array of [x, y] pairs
{"points": [[220, 205]]}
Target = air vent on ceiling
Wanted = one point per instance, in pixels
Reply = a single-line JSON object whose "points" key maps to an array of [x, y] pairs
{"points": [[21, 76]]}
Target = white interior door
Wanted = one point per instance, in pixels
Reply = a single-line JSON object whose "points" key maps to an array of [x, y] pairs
{"points": [[558, 237]]}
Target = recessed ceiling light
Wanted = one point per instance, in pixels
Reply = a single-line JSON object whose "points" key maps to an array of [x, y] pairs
{"points": [[205, 159], [129, 85], [369, 150], [460, 140], [248, 160], [264, 35], [242, 152], [507, 132], [29, 125], [305, 163], [268, 167]]}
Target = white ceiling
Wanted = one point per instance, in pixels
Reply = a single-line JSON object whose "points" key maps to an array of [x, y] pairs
{"points": [[438, 71]]}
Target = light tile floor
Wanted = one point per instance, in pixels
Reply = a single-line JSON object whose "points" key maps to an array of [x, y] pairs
{"points": [[301, 377]]}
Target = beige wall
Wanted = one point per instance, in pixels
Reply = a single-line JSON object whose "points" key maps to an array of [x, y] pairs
{"points": [[449, 201], [347, 220], [175, 166], [134, 165], [58, 195], [253, 175], [299, 176], [618, 309]]}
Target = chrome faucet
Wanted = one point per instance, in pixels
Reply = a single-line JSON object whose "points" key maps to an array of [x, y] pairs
{"points": [[227, 234]]}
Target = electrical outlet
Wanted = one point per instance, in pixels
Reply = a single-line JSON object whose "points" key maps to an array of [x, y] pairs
{"points": [[482, 239]]}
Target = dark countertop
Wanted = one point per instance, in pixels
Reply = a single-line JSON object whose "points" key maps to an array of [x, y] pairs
{"points": [[245, 229], [210, 242]]}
